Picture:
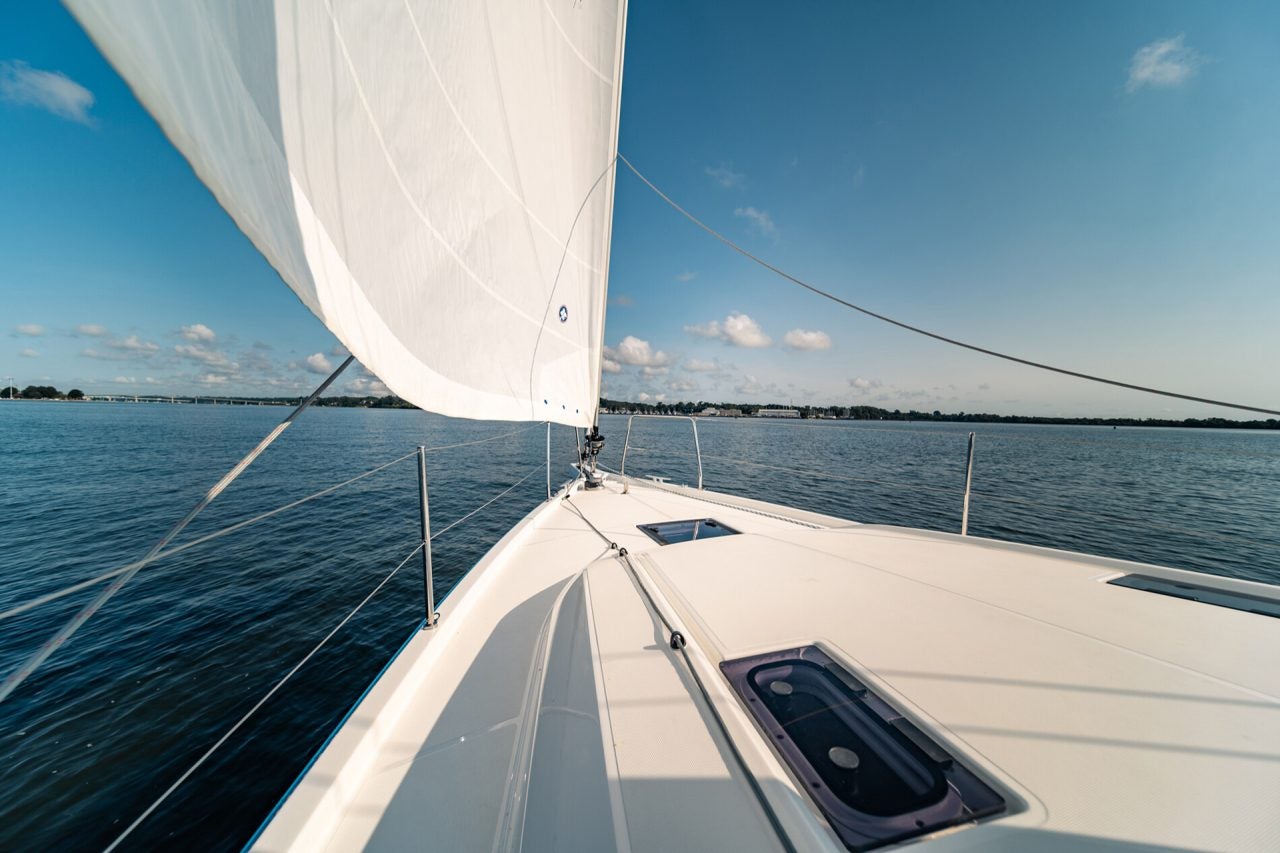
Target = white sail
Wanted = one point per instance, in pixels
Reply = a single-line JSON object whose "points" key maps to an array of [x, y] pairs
{"points": [[433, 178]]}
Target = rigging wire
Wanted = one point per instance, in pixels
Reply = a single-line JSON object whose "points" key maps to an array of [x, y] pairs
{"points": [[217, 534], [484, 505], [239, 525], [234, 728], [791, 470], [1109, 517], [33, 662], [919, 331], [229, 732]]}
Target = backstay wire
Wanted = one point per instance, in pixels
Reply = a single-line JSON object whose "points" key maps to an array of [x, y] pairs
{"points": [[919, 331]]}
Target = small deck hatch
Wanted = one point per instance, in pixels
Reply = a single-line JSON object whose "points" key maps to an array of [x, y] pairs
{"points": [[1203, 594], [671, 532], [877, 777]]}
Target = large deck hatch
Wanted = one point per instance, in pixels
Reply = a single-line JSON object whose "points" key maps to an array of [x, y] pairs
{"points": [[876, 776], [1203, 594], [670, 532]]}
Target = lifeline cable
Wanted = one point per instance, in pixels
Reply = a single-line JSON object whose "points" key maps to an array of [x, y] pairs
{"points": [[910, 328], [33, 662], [239, 525], [244, 719]]}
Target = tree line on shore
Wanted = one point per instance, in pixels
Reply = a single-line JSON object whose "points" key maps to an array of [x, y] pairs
{"points": [[39, 392], [873, 413], [863, 413]]}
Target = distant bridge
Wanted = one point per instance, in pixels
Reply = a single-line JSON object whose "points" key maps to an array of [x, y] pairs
{"points": [[202, 400]]}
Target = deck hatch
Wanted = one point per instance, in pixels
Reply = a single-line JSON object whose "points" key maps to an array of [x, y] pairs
{"points": [[1203, 594], [876, 776], [671, 532]]}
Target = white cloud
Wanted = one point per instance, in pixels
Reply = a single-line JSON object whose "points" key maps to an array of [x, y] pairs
{"points": [[862, 385], [687, 275], [198, 332], [204, 355], [621, 300], [1163, 63], [317, 363], [806, 340], [30, 330], [632, 350], [697, 365], [29, 353], [368, 386], [133, 343], [643, 397], [682, 385], [760, 220], [48, 90], [212, 379], [649, 372], [659, 397], [737, 329], [124, 349], [339, 351], [706, 330], [611, 366], [125, 380], [725, 176], [92, 330], [749, 385], [741, 331]]}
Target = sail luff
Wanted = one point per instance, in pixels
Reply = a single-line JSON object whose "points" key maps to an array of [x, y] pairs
{"points": [[602, 305]]}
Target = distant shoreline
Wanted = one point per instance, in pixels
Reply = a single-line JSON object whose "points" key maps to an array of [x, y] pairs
{"points": [[704, 410]]}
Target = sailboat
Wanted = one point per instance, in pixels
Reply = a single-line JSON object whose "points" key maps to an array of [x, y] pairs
{"points": [[640, 665]]}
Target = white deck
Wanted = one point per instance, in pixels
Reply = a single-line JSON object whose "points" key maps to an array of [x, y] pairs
{"points": [[547, 710]]}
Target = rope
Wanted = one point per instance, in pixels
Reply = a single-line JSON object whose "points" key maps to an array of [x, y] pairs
{"points": [[631, 569], [919, 331], [613, 546], [555, 283], [682, 649], [226, 736]]}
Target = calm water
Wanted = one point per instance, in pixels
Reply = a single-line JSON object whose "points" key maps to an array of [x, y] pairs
{"points": [[187, 647]]}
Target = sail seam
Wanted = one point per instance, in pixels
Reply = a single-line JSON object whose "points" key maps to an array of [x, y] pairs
{"points": [[408, 196], [466, 130], [574, 48]]}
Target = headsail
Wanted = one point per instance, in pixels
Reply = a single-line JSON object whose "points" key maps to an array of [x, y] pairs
{"points": [[433, 178]]}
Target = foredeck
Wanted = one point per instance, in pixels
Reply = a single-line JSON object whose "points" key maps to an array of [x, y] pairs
{"points": [[549, 710]]}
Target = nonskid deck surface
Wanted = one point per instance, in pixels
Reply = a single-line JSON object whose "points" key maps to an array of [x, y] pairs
{"points": [[548, 710]]}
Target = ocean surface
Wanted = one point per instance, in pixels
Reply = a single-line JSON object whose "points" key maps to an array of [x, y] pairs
{"points": [[187, 647]]}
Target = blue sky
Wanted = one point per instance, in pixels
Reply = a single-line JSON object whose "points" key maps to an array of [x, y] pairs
{"points": [[1096, 185]]}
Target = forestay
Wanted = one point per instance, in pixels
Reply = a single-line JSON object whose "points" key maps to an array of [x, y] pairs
{"points": [[433, 178]]}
